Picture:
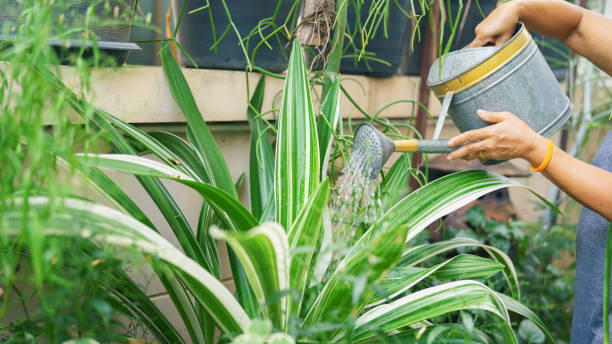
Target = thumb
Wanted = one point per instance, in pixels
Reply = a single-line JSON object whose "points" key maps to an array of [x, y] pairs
{"points": [[492, 117]]}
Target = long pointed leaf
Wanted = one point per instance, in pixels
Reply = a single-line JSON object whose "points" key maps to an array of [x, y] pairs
{"points": [[156, 190], [204, 141], [431, 302], [404, 221], [518, 308], [399, 279], [264, 254], [261, 163], [111, 227], [231, 211], [327, 122], [297, 147], [305, 237], [417, 254], [210, 155]]}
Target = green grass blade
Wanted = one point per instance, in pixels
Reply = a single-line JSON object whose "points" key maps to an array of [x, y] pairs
{"points": [[264, 254], [204, 143], [111, 227], [328, 122], [297, 147], [432, 302], [261, 163], [305, 241]]}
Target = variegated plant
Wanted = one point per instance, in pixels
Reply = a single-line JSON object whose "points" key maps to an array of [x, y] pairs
{"points": [[280, 267]]}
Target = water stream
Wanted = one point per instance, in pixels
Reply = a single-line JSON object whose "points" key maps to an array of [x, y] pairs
{"points": [[355, 204]]}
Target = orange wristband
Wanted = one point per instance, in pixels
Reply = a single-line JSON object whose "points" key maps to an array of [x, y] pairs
{"points": [[549, 154]]}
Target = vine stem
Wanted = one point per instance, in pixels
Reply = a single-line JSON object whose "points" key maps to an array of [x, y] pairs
{"points": [[606, 301]]}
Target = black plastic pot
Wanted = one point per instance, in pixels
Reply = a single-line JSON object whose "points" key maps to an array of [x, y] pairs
{"points": [[388, 49], [111, 25], [195, 34], [411, 59]]}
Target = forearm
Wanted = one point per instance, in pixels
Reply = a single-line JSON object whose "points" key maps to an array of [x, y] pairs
{"points": [[552, 18], [586, 32], [587, 184]]}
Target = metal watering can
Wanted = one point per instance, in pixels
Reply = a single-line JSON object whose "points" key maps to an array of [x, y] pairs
{"points": [[513, 77]]}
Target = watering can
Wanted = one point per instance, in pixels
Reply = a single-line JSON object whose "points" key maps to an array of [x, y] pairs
{"points": [[513, 77]]}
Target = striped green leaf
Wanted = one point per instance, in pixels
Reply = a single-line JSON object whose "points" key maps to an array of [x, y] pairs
{"points": [[372, 261], [467, 266], [200, 136], [402, 222], [431, 302], [261, 163], [162, 151], [305, 238], [399, 279], [264, 254], [185, 152], [417, 254], [440, 333], [327, 122], [233, 214], [297, 147], [204, 142], [156, 190], [111, 227], [518, 308]]}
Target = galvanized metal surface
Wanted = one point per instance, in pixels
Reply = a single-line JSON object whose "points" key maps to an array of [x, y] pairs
{"points": [[371, 147], [525, 86]]}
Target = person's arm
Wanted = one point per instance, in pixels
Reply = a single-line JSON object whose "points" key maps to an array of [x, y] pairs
{"points": [[586, 32], [511, 138]]}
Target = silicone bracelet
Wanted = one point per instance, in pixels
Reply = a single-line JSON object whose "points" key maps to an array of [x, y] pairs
{"points": [[549, 154]]}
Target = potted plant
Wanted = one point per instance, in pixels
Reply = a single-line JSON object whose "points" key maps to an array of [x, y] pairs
{"points": [[234, 34], [466, 20], [75, 24], [276, 263], [377, 36]]}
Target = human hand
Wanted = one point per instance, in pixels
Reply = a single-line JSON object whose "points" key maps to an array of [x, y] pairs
{"points": [[509, 138], [498, 27]]}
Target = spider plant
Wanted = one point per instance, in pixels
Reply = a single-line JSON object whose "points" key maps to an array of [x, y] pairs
{"points": [[379, 289]]}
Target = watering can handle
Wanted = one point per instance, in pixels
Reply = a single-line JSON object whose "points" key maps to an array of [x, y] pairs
{"points": [[423, 146]]}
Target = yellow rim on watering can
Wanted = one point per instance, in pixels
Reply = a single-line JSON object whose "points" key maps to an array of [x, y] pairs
{"points": [[504, 55]]}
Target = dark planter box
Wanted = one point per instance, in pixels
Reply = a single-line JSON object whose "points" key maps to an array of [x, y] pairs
{"points": [[387, 49], [196, 36], [113, 38]]}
